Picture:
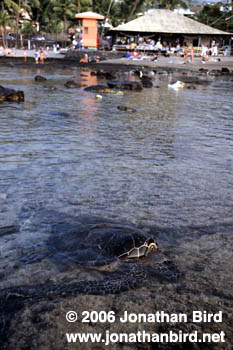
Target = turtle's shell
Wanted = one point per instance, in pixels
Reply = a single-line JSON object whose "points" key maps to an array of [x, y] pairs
{"points": [[99, 245]]}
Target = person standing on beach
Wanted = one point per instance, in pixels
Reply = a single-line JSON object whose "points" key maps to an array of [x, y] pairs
{"points": [[25, 55], [36, 55], [178, 49], [204, 54], [215, 50], [85, 59], [185, 54], [42, 56], [191, 54]]}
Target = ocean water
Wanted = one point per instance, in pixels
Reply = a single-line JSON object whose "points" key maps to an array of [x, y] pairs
{"points": [[64, 154]]}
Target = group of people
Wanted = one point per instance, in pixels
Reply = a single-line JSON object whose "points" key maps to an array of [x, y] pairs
{"points": [[186, 51], [39, 56], [206, 52], [93, 59]]}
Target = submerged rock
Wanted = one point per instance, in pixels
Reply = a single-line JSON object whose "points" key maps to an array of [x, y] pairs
{"points": [[226, 70], [11, 95], [103, 74], [191, 87], [162, 72], [194, 80], [215, 72], [146, 82], [8, 230], [203, 70], [40, 78], [50, 88], [110, 76], [71, 84], [126, 109], [126, 85], [100, 88]]}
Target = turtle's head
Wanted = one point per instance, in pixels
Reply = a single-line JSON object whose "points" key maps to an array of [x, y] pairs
{"points": [[151, 245]]}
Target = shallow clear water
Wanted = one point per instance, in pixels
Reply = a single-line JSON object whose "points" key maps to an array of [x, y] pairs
{"points": [[167, 167]]}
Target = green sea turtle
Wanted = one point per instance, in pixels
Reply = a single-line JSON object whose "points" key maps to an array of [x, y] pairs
{"points": [[106, 247], [121, 253], [101, 246]]}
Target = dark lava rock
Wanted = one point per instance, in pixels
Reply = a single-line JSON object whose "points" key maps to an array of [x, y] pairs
{"points": [[163, 72], [100, 88], [138, 73], [146, 82], [191, 87], [50, 88], [110, 76], [225, 70], [194, 80], [126, 85], [103, 74], [40, 78], [215, 72], [203, 70], [71, 84], [100, 74], [11, 95], [126, 109], [44, 307], [7, 230]]}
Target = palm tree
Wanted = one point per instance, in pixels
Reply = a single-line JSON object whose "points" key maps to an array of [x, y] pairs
{"points": [[13, 9], [35, 8], [5, 19], [172, 4], [136, 5], [64, 10]]}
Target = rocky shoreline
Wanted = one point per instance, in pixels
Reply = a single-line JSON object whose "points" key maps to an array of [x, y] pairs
{"points": [[205, 262], [110, 61]]}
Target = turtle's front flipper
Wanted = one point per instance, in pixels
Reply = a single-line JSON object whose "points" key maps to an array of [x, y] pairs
{"points": [[131, 280], [167, 270], [14, 297]]}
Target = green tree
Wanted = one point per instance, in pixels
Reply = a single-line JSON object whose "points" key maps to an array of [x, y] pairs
{"points": [[217, 16], [28, 28], [35, 9], [13, 8], [64, 11], [5, 20], [126, 10], [172, 4]]}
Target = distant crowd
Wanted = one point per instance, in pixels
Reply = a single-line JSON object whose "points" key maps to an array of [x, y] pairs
{"points": [[137, 51]]}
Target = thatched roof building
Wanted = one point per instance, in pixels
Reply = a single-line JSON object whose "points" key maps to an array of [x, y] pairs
{"points": [[167, 23]]}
